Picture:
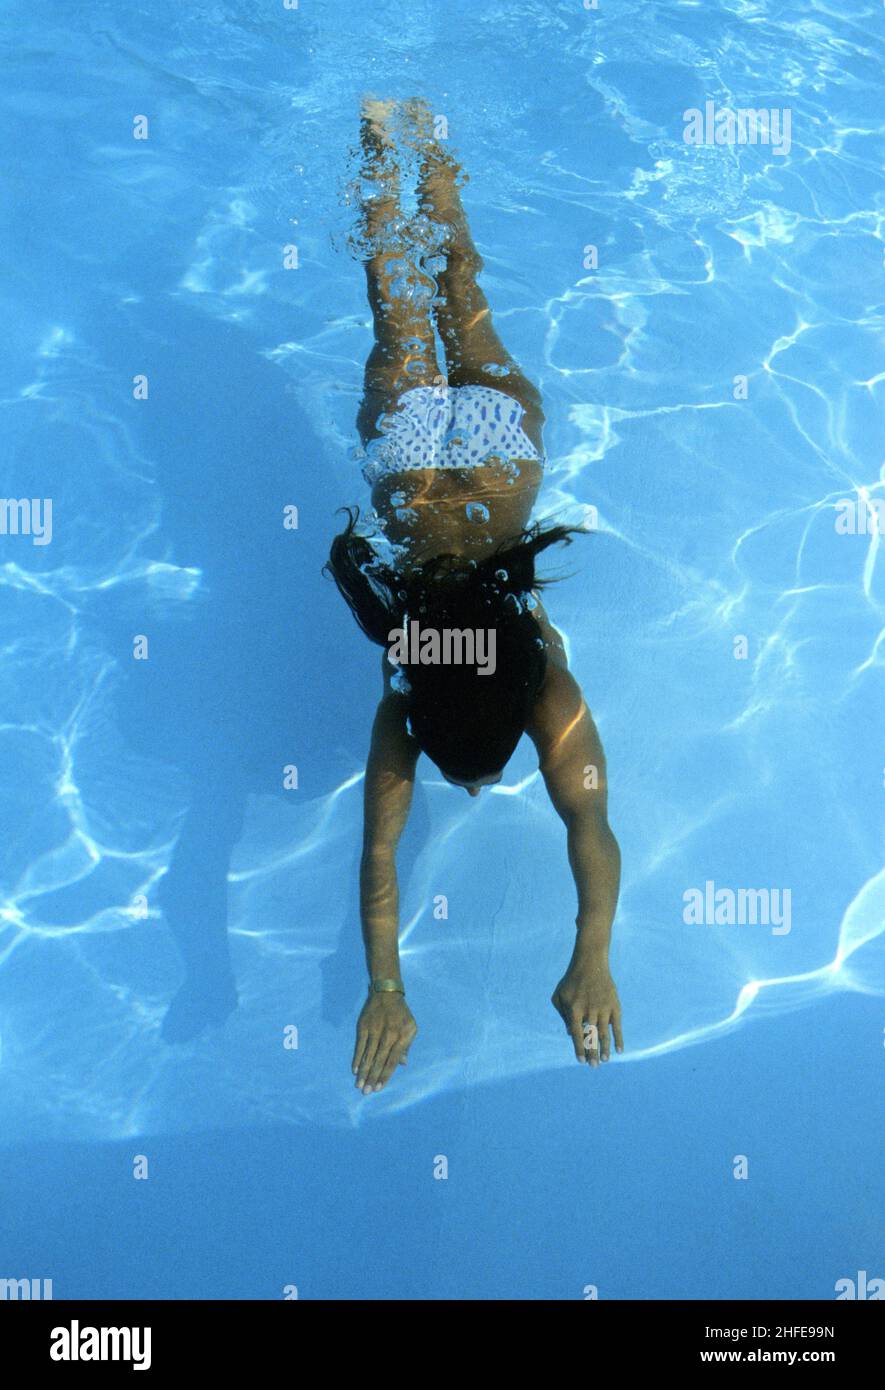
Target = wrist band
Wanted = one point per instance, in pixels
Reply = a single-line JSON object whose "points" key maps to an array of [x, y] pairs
{"points": [[386, 987]]}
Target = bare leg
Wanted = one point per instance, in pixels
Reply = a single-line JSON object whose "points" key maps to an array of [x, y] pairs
{"points": [[404, 354], [462, 312]]}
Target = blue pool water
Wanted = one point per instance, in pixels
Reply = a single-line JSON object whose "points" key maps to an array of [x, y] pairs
{"points": [[717, 521]]}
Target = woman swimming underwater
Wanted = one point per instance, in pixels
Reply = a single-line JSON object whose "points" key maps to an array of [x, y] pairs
{"points": [[455, 463]]}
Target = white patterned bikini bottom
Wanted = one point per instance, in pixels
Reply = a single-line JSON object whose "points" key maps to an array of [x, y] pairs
{"points": [[449, 427]]}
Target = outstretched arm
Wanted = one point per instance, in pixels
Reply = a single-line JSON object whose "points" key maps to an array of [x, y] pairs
{"points": [[386, 1027], [573, 766], [390, 780]]}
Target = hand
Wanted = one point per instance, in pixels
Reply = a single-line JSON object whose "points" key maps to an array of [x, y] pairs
{"points": [[384, 1033], [586, 995]]}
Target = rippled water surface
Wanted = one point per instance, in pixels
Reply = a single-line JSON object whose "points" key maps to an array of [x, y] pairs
{"points": [[717, 516]]}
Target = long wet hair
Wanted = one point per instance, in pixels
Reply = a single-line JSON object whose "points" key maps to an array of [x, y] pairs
{"points": [[469, 724]]}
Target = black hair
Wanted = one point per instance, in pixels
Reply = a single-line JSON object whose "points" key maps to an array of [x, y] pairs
{"points": [[468, 723]]}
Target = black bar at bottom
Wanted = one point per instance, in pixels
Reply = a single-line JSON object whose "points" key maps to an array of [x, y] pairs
{"points": [[229, 1337]]}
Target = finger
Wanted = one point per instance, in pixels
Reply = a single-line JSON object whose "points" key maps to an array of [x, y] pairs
{"points": [[387, 1045], [576, 1033], [591, 1039], [367, 1059], [616, 1029], [362, 1035], [406, 1038], [604, 1037], [390, 1065]]}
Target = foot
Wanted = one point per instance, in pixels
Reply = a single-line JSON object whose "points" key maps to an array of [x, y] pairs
{"points": [[387, 121], [377, 133], [439, 199], [198, 1005], [379, 178], [439, 173], [417, 122]]}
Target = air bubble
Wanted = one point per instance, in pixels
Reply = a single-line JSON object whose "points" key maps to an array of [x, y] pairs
{"points": [[477, 513]]}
